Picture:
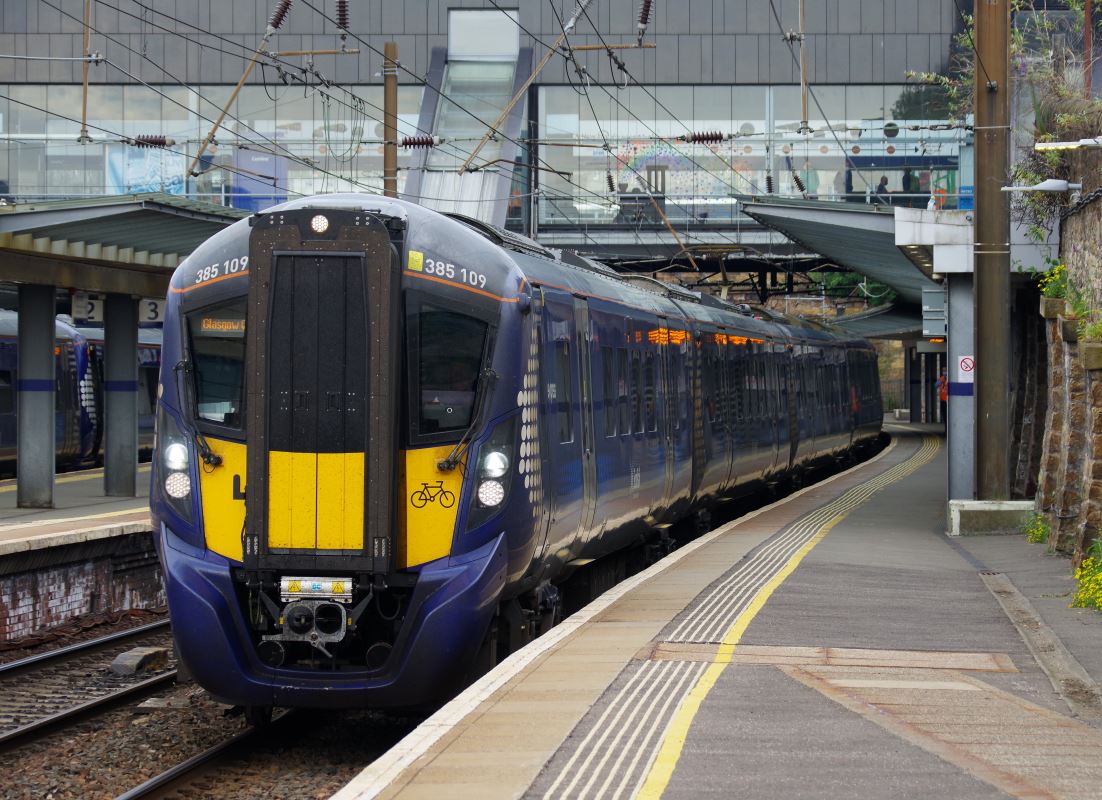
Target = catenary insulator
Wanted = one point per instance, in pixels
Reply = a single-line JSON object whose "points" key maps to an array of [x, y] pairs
{"points": [[799, 182], [644, 18], [705, 137], [343, 17], [421, 141], [769, 184], [151, 140], [611, 183], [279, 13]]}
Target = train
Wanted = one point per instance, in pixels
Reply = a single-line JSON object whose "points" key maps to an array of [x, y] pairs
{"points": [[78, 366], [388, 439]]}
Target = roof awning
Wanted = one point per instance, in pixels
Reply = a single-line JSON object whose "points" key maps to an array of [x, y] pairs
{"points": [[858, 236], [121, 243], [884, 322]]}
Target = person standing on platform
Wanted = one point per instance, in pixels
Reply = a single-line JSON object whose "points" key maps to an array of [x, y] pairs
{"points": [[943, 394]]}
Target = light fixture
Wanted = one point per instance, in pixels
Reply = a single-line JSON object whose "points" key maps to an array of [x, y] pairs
{"points": [[319, 224], [1081, 144], [1050, 185]]}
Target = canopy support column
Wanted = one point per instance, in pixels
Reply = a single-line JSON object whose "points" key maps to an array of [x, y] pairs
{"points": [[36, 385], [120, 385]]}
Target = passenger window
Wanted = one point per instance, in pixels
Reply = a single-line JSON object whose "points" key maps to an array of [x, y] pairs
{"points": [[623, 390], [563, 404], [7, 392], [649, 398], [637, 392], [610, 397]]}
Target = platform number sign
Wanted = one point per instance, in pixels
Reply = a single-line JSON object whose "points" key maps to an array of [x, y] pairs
{"points": [[89, 308]]}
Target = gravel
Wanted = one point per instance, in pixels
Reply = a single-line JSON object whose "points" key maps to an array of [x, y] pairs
{"points": [[310, 757]]}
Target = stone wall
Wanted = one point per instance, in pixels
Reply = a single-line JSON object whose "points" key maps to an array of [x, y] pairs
{"points": [[1069, 489], [45, 588]]}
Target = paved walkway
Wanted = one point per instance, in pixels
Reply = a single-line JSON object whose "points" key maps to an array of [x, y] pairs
{"points": [[834, 644]]}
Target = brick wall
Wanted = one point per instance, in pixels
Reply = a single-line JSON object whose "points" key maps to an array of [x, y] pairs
{"points": [[47, 588]]}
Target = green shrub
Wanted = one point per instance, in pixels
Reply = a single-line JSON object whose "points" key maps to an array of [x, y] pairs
{"points": [[1036, 529], [1089, 576], [1054, 283]]}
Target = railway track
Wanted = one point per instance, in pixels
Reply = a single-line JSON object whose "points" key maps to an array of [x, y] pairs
{"points": [[50, 689]]}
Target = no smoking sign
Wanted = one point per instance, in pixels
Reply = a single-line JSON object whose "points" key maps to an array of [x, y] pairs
{"points": [[966, 369]]}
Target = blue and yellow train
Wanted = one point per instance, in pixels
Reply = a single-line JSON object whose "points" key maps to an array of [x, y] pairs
{"points": [[387, 436]]}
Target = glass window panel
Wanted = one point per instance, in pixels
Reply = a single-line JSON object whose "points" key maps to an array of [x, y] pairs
{"points": [[142, 107], [65, 101], [105, 107], [483, 34], [24, 109], [865, 103]]}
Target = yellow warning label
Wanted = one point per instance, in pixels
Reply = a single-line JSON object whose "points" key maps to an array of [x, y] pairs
{"points": [[294, 586], [416, 260]]}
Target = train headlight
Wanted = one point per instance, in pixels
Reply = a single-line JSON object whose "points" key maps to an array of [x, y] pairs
{"points": [[491, 493], [176, 456], [172, 464], [178, 485], [497, 459], [494, 464]]}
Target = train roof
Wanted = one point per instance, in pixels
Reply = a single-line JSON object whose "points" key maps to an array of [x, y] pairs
{"points": [[505, 257], [9, 326]]}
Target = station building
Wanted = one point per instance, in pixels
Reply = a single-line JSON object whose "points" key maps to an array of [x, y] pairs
{"points": [[589, 134]]}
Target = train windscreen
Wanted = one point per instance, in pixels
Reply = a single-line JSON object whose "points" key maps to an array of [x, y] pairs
{"points": [[448, 359], [218, 360]]}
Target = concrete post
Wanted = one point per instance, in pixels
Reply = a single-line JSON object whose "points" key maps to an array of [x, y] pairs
{"points": [[120, 392], [960, 431], [36, 385], [929, 386]]}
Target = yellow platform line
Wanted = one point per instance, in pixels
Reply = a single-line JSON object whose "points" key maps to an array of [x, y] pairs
{"points": [[87, 475], [673, 741]]}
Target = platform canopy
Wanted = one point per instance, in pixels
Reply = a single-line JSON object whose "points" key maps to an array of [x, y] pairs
{"points": [[883, 322], [857, 236], [119, 243]]}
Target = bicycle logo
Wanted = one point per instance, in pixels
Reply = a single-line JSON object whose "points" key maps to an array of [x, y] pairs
{"points": [[430, 494]]}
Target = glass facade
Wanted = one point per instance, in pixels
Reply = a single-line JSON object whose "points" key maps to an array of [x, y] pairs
{"points": [[275, 143], [868, 143]]}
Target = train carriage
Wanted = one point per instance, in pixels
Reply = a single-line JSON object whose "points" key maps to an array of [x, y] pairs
{"points": [[386, 437]]}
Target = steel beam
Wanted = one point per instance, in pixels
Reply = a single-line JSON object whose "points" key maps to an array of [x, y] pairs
{"points": [[36, 385]]}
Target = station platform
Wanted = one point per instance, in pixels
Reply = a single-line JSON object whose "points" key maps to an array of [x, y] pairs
{"points": [[81, 512], [835, 643]]}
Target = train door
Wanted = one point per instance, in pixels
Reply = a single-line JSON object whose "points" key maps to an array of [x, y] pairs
{"points": [[585, 396], [793, 410], [560, 390], [668, 411]]}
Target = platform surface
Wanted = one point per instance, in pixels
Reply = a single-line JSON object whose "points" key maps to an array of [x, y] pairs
{"points": [[834, 644], [80, 512]]}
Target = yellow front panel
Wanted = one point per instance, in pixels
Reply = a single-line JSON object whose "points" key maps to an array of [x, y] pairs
{"points": [[304, 500], [340, 501], [222, 490], [428, 505], [279, 499]]}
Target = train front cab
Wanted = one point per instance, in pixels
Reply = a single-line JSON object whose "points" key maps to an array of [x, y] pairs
{"points": [[318, 568]]}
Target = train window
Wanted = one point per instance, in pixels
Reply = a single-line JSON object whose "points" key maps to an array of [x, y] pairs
{"points": [[608, 368], [636, 392], [623, 390], [7, 392], [218, 357], [649, 388], [674, 377], [147, 390], [564, 406], [448, 357]]}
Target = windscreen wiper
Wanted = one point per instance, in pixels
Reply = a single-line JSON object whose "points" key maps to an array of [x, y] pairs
{"points": [[486, 380], [183, 370]]}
